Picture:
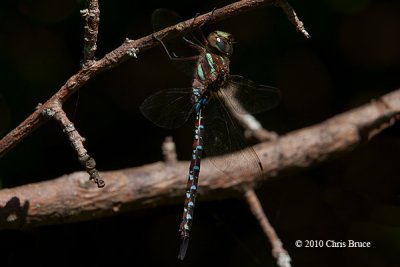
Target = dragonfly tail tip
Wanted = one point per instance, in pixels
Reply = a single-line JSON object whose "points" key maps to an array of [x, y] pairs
{"points": [[183, 248]]}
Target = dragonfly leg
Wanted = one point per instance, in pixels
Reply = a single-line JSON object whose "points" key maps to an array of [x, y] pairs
{"points": [[165, 47], [194, 19], [204, 40], [173, 56], [193, 44], [202, 25], [203, 37]]}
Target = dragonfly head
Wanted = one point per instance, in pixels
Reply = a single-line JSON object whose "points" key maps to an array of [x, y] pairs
{"points": [[222, 42]]}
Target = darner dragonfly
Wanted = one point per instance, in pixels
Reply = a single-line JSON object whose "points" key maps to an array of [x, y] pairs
{"points": [[215, 130]]}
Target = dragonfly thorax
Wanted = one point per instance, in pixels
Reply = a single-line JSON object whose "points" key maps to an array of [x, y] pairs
{"points": [[211, 73], [221, 42]]}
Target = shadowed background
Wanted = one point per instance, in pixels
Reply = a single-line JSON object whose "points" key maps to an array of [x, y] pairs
{"points": [[352, 57]]}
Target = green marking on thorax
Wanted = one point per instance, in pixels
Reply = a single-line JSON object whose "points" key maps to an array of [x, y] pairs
{"points": [[210, 62], [200, 72]]}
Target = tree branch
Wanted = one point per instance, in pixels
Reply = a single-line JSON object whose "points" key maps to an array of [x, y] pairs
{"points": [[130, 48], [73, 198]]}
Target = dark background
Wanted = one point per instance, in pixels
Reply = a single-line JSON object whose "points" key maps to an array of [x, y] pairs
{"points": [[352, 57]]}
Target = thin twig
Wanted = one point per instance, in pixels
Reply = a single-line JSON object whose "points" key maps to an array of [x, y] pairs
{"points": [[169, 150], [91, 15], [70, 198], [292, 16], [128, 49], [76, 140], [278, 252], [254, 129]]}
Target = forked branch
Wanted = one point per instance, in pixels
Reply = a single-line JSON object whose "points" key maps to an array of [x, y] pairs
{"points": [[129, 49]]}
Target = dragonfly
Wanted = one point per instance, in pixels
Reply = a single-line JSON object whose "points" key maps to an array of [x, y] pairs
{"points": [[212, 97]]}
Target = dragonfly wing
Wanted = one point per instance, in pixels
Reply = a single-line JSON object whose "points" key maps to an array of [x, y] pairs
{"points": [[162, 18], [168, 108], [250, 96], [222, 136]]}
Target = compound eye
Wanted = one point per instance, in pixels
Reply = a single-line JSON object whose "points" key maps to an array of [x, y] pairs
{"points": [[224, 46]]}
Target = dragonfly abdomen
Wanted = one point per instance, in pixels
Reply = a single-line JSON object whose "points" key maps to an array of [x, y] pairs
{"points": [[212, 70], [191, 187]]}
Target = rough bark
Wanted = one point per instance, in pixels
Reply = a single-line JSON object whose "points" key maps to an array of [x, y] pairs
{"points": [[73, 198]]}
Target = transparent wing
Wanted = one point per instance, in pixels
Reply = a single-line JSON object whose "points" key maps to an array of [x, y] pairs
{"points": [[222, 136], [168, 108], [250, 96], [162, 18]]}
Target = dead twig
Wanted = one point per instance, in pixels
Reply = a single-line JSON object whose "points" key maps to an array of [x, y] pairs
{"points": [[76, 140], [278, 252], [292, 16], [169, 150], [91, 15]]}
